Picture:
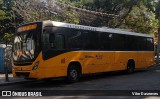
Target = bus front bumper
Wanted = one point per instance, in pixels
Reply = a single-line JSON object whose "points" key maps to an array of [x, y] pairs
{"points": [[26, 74]]}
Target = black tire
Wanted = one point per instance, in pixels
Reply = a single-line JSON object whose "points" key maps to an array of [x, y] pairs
{"points": [[73, 74], [130, 67]]}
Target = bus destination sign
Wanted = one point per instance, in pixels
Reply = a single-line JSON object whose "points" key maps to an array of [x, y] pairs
{"points": [[26, 28]]}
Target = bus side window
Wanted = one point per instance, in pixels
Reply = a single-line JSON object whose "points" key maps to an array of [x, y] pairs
{"points": [[52, 40], [45, 37], [150, 44], [91, 40], [59, 42]]}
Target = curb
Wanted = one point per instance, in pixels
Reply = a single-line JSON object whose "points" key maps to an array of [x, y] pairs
{"points": [[16, 82]]}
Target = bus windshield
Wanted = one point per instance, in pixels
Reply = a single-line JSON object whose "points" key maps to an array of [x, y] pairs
{"points": [[24, 47]]}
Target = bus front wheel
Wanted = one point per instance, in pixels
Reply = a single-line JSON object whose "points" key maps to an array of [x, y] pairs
{"points": [[73, 74]]}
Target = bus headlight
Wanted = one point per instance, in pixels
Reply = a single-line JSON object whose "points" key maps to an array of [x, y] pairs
{"points": [[35, 66]]}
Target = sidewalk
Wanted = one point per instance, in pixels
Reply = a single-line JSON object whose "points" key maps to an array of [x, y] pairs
{"points": [[12, 81]]}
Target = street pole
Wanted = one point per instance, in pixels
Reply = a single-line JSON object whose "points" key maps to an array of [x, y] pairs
{"points": [[158, 41], [158, 37], [158, 45], [6, 64]]}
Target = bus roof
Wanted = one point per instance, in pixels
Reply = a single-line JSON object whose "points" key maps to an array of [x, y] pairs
{"points": [[83, 27], [100, 29]]}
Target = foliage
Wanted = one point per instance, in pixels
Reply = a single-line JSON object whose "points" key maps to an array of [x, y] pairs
{"points": [[5, 19], [35, 10], [132, 13], [16, 12], [141, 20], [8, 37]]}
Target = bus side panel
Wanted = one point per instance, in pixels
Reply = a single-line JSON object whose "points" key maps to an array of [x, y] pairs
{"points": [[144, 59], [57, 66], [93, 62], [107, 59], [141, 59], [121, 59], [54, 67], [97, 61]]}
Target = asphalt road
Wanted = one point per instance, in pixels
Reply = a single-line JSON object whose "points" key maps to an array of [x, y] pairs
{"points": [[146, 79]]}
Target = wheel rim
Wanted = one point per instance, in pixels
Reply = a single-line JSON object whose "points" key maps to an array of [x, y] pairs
{"points": [[74, 74], [129, 68]]}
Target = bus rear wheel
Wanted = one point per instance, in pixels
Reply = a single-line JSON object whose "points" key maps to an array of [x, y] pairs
{"points": [[130, 67], [73, 74]]}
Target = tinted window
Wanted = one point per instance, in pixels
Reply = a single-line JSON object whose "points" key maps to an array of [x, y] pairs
{"points": [[59, 42], [45, 37], [75, 39], [141, 44], [52, 39], [150, 45], [106, 41], [131, 43], [91, 40], [119, 42]]}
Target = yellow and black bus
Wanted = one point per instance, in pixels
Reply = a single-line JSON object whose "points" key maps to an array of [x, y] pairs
{"points": [[50, 49]]}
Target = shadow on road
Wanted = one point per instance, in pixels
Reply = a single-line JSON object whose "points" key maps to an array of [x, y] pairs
{"points": [[109, 75], [60, 82]]}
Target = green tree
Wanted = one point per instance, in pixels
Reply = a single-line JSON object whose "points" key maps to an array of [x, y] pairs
{"points": [[5, 19], [36, 10], [8, 37], [141, 20], [132, 14]]}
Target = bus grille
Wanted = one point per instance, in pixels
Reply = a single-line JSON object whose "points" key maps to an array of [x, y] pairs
{"points": [[22, 74]]}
